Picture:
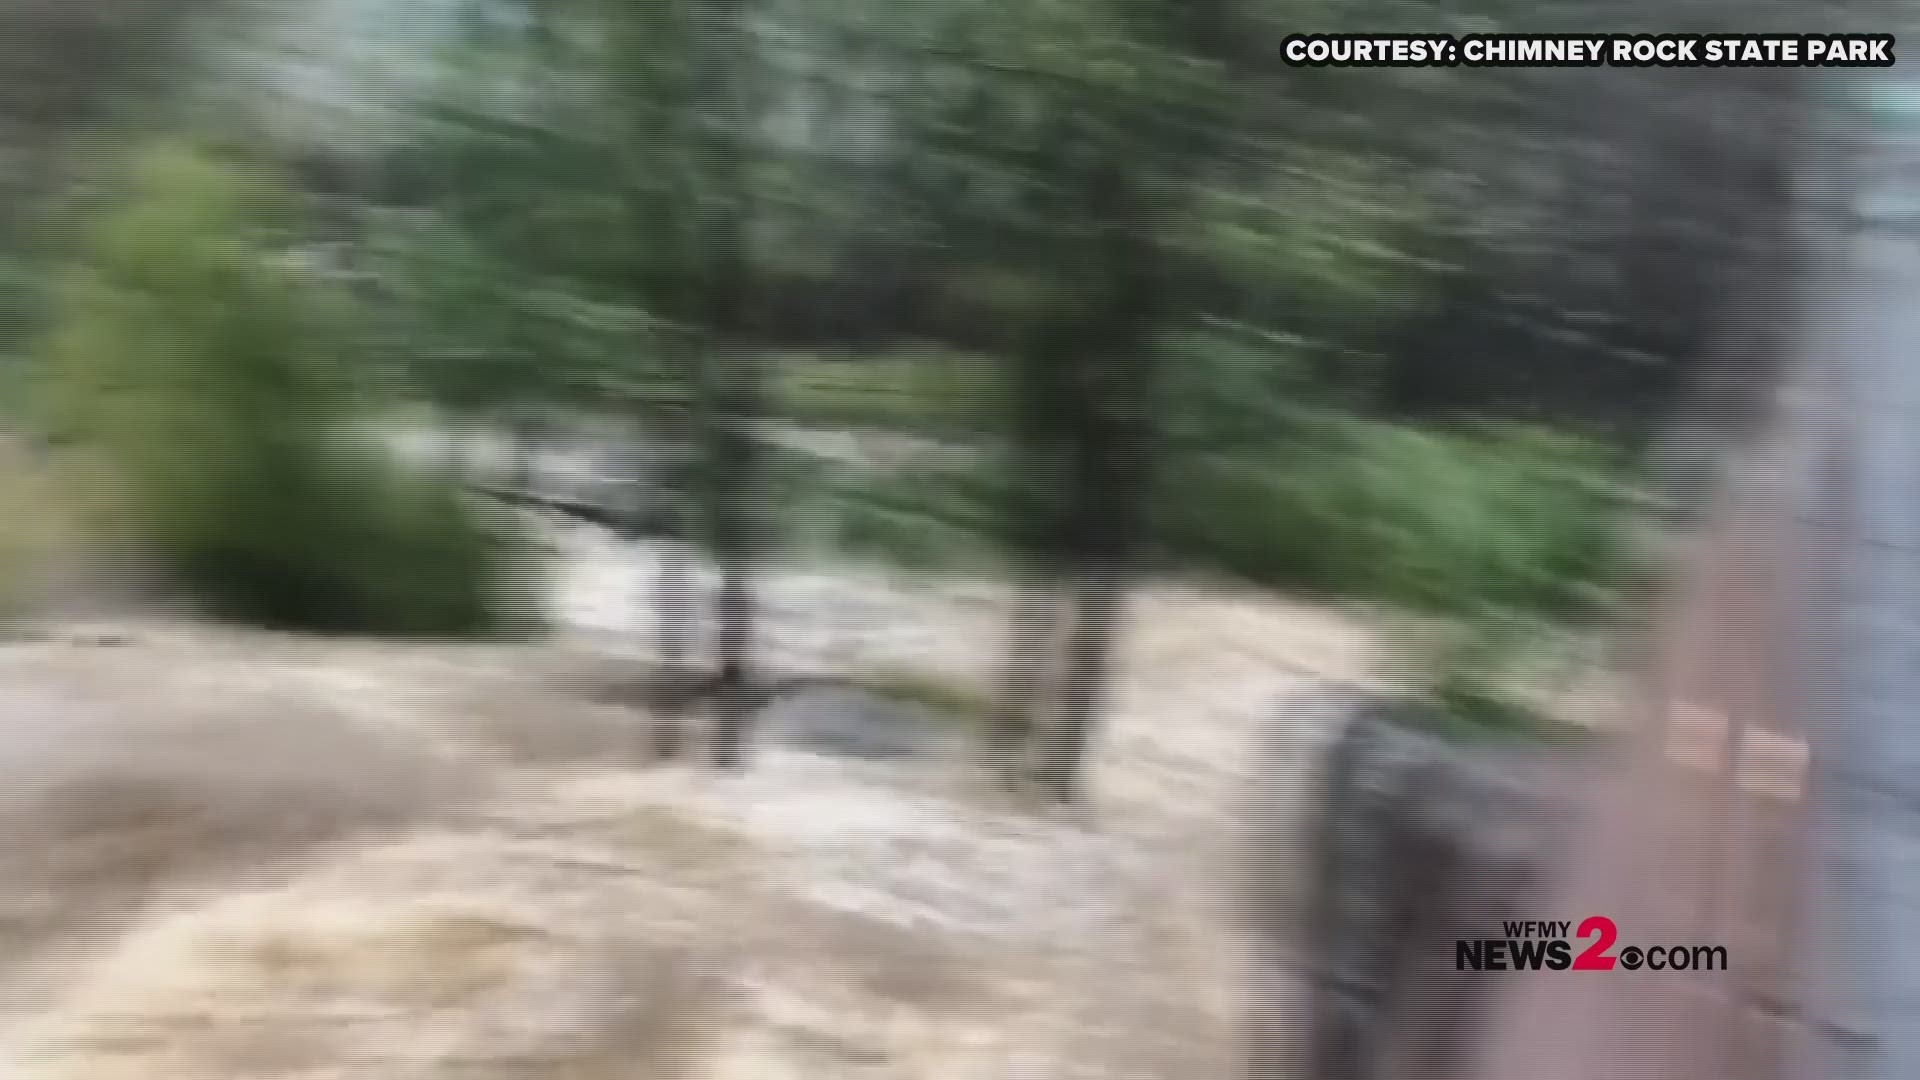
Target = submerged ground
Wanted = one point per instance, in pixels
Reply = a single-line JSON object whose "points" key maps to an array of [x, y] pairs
{"points": [[236, 854]]}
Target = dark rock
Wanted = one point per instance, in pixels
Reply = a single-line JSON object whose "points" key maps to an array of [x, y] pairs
{"points": [[849, 722], [101, 639], [1412, 844]]}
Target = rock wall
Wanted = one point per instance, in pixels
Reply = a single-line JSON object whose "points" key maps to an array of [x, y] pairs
{"points": [[1412, 843]]}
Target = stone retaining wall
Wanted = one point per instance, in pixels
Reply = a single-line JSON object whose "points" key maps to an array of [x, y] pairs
{"points": [[1414, 843]]}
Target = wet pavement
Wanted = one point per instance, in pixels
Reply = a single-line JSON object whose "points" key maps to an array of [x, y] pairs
{"points": [[1769, 802]]}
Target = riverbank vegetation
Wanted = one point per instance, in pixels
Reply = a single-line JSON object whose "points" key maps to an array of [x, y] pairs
{"points": [[1100, 288]]}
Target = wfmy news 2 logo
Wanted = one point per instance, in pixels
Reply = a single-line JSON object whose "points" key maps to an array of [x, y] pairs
{"points": [[1549, 946]]}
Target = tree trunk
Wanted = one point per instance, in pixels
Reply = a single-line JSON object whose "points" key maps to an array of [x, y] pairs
{"points": [[660, 461], [1026, 681], [1112, 450], [729, 494], [734, 703], [1034, 525], [676, 617], [731, 378], [1098, 602]]}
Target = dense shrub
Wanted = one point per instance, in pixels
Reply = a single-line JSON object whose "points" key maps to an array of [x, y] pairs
{"points": [[27, 534], [1269, 473], [930, 391], [931, 518], [195, 365], [1444, 522]]}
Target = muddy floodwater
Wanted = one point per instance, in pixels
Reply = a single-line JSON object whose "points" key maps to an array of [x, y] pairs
{"points": [[238, 854]]}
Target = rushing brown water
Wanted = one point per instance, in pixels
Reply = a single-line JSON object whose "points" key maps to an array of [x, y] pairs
{"points": [[232, 854]]}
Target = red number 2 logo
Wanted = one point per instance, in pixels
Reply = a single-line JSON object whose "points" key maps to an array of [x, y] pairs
{"points": [[1595, 957]]}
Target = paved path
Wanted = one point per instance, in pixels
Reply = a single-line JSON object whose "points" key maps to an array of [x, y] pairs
{"points": [[1769, 802], [1693, 840]]}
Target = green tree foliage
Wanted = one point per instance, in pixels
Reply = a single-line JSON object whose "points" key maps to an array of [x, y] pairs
{"points": [[1295, 295], [31, 529], [496, 273], [595, 158], [67, 72], [1082, 127], [1442, 522], [189, 356]]}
